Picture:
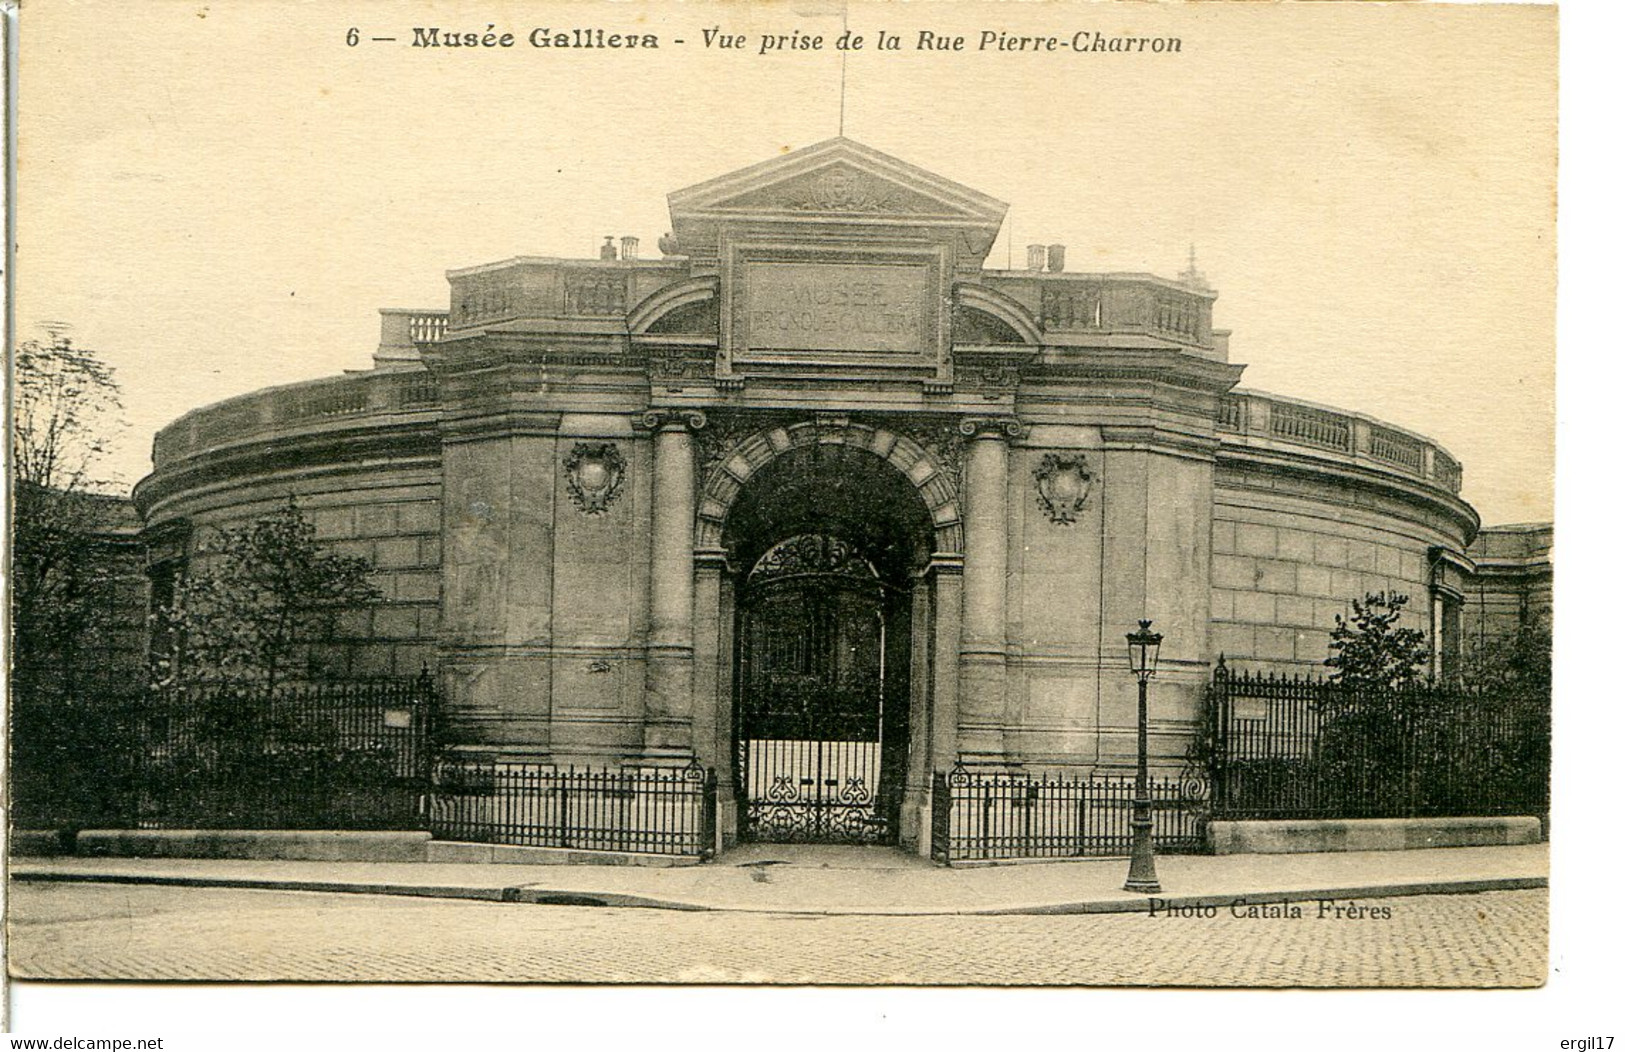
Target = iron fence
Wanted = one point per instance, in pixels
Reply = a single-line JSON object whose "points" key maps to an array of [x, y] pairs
{"points": [[663, 811], [68, 769], [334, 756], [1301, 748], [982, 816]]}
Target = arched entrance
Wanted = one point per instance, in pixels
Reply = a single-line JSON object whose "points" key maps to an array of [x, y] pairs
{"points": [[829, 541]]}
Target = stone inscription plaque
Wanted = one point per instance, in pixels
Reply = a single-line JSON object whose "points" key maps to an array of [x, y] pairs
{"points": [[860, 308]]}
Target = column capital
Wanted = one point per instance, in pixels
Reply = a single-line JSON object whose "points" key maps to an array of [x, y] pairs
{"points": [[713, 560], [671, 420], [1004, 428]]}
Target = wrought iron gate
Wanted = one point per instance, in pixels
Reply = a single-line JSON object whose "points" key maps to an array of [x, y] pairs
{"points": [[815, 758]]}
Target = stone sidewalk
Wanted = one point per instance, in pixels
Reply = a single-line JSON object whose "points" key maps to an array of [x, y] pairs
{"points": [[854, 881]]}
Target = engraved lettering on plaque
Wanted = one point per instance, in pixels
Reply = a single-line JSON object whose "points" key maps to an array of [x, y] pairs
{"points": [[859, 308]]}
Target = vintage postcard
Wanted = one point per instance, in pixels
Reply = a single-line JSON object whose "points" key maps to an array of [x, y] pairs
{"points": [[793, 494]]}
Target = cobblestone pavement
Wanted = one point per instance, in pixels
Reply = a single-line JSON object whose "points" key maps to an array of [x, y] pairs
{"points": [[82, 931]]}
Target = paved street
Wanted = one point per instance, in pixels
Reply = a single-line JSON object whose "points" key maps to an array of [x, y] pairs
{"points": [[84, 931]]}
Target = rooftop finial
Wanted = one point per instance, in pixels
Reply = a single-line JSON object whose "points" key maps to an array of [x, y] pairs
{"points": [[1191, 276]]}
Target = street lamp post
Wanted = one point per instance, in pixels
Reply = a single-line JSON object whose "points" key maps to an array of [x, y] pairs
{"points": [[1142, 867]]}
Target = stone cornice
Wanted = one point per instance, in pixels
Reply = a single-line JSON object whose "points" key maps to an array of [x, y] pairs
{"points": [[1161, 439], [1251, 469], [488, 349], [1527, 571], [1440, 557], [499, 422], [673, 264], [166, 541], [352, 449], [1133, 366]]}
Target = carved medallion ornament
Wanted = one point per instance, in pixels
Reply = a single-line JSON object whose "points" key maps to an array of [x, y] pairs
{"points": [[1064, 480], [843, 190], [594, 472]]}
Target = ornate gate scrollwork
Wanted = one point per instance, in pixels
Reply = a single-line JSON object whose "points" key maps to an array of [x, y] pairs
{"points": [[811, 721], [1196, 793]]}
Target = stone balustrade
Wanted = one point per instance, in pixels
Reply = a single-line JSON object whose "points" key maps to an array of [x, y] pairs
{"points": [[532, 287], [263, 414], [426, 326], [1108, 304], [403, 334], [606, 290], [405, 328], [1253, 419]]}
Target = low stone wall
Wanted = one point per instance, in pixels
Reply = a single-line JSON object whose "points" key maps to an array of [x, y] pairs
{"points": [[316, 845], [1368, 834], [519, 855], [38, 843], [319, 845]]}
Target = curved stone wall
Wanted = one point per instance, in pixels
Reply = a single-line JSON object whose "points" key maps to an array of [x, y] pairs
{"points": [[1314, 507], [361, 456]]}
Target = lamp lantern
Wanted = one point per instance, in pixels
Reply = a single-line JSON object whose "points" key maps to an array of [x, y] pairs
{"points": [[1143, 647]]}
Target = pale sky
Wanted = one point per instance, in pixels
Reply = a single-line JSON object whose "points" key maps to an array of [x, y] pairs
{"points": [[219, 197]]}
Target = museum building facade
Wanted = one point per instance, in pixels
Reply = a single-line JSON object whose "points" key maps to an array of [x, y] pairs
{"points": [[817, 491]]}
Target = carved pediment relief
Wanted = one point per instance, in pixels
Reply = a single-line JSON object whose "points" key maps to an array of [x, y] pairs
{"points": [[837, 178], [838, 189]]}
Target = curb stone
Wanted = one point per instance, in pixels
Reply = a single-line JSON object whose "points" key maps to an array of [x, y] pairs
{"points": [[532, 894]]}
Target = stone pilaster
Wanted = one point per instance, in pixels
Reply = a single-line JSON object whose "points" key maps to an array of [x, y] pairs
{"points": [[946, 577], [916, 816], [669, 688], [497, 593], [987, 545], [710, 719]]}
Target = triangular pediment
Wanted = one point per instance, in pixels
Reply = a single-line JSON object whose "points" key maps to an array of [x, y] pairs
{"points": [[839, 189], [836, 179]]}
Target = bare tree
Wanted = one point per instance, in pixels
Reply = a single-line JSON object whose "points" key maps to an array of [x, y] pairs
{"points": [[65, 571], [65, 406]]}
